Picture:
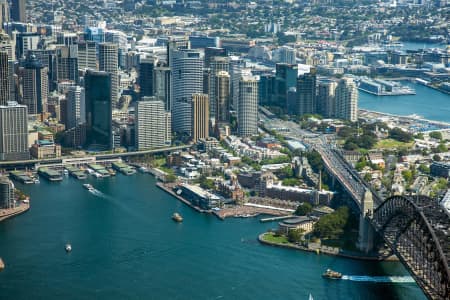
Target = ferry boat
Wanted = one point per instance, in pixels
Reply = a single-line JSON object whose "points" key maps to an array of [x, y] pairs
{"points": [[88, 186], [330, 274], [177, 217], [68, 247]]}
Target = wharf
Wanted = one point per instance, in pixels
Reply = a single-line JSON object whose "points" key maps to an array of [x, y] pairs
{"points": [[169, 190], [246, 211], [76, 172], [12, 212], [22, 177], [276, 218]]}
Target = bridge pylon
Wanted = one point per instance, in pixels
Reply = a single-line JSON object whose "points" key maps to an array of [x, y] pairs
{"points": [[366, 231]]}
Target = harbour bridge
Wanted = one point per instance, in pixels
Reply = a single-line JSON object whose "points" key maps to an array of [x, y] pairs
{"points": [[416, 229]]}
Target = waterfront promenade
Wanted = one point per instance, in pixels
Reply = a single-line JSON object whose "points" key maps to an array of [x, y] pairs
{"points": [[11, 212]]}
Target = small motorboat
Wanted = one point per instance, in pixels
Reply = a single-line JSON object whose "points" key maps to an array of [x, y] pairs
{"points": [[88, 186], [177, 217], [68, 248], [330, 274], [2, 264]]}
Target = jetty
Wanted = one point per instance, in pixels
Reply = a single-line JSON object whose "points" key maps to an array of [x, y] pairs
{"points": [[123, 168], [50, 175], [21, 177], [76, 172], [100, 170], [264, 220]]}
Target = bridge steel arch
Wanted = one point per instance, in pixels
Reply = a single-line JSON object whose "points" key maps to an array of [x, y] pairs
{"points": [[418, 231]]}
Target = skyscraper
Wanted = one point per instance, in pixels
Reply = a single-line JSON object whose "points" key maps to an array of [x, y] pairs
{"points": [[152, 124], [4, 12], [176, 43], [200, 116], [109, 62], [146, 68], [87, 57], [217, 64], [347, 100], [6, 193], [98, 101], [186, 80], [18, 11], [248, 106], [75, 107], [161, 85], [13, 132], [67, 63], [35, 86], [222, 87], [306, 93], [326, 101], [4, 78], [285, 78], [236, 71], [210, 52]]}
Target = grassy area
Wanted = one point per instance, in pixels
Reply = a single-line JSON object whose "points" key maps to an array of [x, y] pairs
{"points": [[390, 143], [158, 162], [270, 237]]}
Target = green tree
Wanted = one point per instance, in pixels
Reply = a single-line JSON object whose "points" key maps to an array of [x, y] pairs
{"points": [[407, 175], [332, 226], [400, 135], [436, 135], [295, 235], [424, 169], [437, 157], [303, 209]]}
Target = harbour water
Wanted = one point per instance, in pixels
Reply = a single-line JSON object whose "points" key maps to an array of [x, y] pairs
{"points": [[126, 246], [428, 103]]}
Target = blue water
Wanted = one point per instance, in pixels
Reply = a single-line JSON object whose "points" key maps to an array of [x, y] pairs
{"points": [[429, 103], [125, 246], [416, 46]]}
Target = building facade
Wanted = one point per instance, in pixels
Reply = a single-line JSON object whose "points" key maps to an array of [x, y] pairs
{"points": [[152, 124], [248, 106], [200, 117], [347, 100], [108, 61], [13, 132]]}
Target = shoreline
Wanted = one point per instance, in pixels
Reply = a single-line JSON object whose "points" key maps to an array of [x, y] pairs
{"points": [[391, 258], [408, 117], [12, 212]]}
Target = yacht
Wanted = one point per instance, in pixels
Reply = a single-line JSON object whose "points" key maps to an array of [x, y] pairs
{"points": [[177, 217], [66, 172]]}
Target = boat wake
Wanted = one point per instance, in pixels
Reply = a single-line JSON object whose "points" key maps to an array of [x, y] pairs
{"points": [[379, 279], [99, 194]]}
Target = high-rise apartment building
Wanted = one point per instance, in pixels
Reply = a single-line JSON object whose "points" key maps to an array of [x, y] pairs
{"points": [[326, 101], [4, 78], [222, 97], [108, 54], [237, 69], [306, 93], [76, 111], [18, 11], [186, 80], [217, 64], [146, 73], [13, 132], [248, 106], [200, 117], [152, 124], [347, 100], [98, 99], [34, 86]]}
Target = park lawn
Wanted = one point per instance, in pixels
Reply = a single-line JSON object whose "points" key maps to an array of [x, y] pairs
{"points": [[270, 237], [391, 144]]}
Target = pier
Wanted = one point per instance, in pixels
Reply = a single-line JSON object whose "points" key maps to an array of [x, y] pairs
{"points": [[264, 220]]}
